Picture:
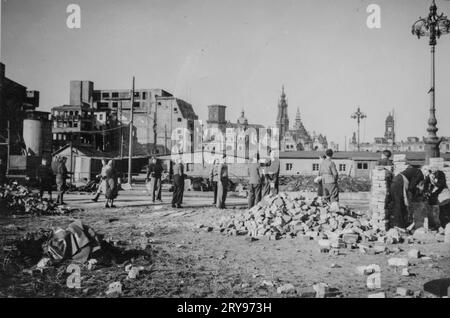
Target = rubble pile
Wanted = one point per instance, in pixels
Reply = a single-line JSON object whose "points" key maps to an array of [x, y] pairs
{"points": [[306, 183], [19, 199], [287, 215]]}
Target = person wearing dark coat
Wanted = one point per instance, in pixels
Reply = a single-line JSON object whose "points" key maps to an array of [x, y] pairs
{"points": [[111, 185], [3, 168], [434, 184], [154, 175], [61, 176], [330, 178], [403, 186], [385, 158], [254, 183], [178, 184], [45, 178], [214, 178]]}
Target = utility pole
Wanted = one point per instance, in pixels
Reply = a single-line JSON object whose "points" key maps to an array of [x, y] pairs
{"points": [[8, 164], [434, 26], [71, 158], [358, 116], [130, 144]]}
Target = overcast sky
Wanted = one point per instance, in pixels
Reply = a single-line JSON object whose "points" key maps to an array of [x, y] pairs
{"points": [[239, 53]]}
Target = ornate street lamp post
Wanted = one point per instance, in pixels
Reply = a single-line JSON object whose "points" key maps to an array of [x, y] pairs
{"points": [[358, 116], [433, 26]]}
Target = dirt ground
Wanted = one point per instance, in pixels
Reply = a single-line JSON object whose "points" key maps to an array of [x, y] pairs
{"points": [[187, 261]]}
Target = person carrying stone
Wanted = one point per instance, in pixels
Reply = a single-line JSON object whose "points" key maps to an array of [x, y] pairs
{"points": [[254, 186], [330, 177]]}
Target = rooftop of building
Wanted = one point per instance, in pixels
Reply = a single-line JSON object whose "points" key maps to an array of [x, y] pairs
{"points": [[355, 155]]}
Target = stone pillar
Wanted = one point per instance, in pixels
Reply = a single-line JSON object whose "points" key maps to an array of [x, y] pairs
{"points": [[379, 203]]}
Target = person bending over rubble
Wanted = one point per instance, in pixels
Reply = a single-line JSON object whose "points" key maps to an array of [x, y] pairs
{"points": [[330, 177], [404, 186], [437, 194], [46, 179]]}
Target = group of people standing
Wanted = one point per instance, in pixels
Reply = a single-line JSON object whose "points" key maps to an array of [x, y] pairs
{"points": [[263, 177], [426, 184], [49, 175]]}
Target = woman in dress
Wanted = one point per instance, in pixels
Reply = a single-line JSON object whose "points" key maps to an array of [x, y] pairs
{"points": [[111, 185]]}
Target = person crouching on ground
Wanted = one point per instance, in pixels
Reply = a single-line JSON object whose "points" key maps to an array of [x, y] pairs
{"points": [[330, 177], [45, 178], [254, 182], [404, 185], [111, 185], [101, 185], [222, 184], [178, 184], [214, 178]]}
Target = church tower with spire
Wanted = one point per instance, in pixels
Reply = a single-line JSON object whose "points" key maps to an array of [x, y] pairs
{"points": [[282, 117]]}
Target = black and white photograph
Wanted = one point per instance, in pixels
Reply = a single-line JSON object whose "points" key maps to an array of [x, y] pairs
{"points": [[226, 155]]}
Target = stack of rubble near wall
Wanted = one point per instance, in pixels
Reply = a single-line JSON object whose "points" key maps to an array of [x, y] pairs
{"points": [[379, 204]]}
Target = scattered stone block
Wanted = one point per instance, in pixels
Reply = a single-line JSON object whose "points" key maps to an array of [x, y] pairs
{"points": [[286, 289], [398, 262]]}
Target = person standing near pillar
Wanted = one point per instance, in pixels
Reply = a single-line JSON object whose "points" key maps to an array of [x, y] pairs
{"points": [[222, 184], [254, 186], [214, 178], [330, 176], [178, 183]]}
